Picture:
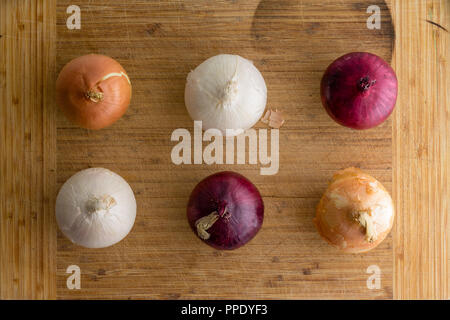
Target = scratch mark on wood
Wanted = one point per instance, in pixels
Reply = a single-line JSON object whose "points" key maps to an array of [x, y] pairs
{"points": [[153, 28], [306, 271], [437, 25]]}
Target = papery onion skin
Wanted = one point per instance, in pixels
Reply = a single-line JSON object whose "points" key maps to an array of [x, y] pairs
{"points": [[351, 191], [359, 90], [226, 92], [90, 226], [243, 203], [83, 75]]}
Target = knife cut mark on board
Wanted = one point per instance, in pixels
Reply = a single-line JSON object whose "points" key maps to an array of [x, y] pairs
{"points": [[437, 25]]}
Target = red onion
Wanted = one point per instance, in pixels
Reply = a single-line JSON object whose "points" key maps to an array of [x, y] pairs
{"points": [[225, 210], [359, 90]]}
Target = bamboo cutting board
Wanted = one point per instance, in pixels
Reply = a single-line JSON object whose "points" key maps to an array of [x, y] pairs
{"points": [[158, 43], [420, 129]]}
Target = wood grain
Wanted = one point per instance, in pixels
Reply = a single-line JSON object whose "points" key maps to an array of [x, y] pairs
{"points": [[158, 43], [27, 158], [421, 163], [27, 150]]}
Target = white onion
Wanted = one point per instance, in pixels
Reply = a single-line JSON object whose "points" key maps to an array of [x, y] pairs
{"points": [[226, 92], [95, 208]]}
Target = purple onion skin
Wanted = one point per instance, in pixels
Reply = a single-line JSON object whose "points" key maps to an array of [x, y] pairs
{"points": [[242, 201], [359, 90]]}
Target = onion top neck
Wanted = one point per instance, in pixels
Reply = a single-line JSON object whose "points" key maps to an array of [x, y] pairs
{"points": [[94, 204], [229, 94], [365, 83], [206, 222], [365, 219], [94, 96]]}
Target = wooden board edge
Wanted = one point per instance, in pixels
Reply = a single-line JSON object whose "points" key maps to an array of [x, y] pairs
{"points": [[420, 159], [28, 148], [49, 127]]}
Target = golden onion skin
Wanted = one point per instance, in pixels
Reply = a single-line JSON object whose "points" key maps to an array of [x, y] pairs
{"points": [[356, 212], [85, 77]]}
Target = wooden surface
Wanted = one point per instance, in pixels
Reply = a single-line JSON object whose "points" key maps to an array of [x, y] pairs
{"points": [[161, 258], [27, 150], [420, 154], [158, 43]]}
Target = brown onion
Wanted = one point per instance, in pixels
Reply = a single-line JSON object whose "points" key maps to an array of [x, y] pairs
{"points": [[93, 91], [355, 213]]}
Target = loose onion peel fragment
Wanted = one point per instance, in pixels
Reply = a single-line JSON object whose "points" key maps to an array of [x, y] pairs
{"points": [[273, 119]]}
